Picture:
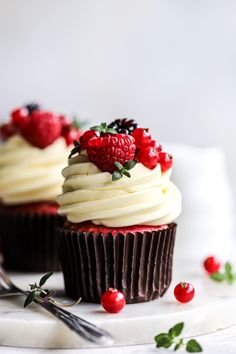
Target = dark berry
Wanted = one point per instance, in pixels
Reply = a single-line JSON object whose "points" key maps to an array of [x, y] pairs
{"points": [[32, 107], [124, 125]]}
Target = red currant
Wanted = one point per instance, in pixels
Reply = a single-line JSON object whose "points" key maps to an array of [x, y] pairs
{"points": [[71, 134], [142, 137], [84, 139], [165, 160], [155, 145], [148, 156], [113, 300], [184, 292], [7, 130], [20, 117], [211, 265]]}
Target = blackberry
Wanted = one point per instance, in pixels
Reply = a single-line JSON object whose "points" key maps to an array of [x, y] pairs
{"points": [[32, 107], [124, 125]]}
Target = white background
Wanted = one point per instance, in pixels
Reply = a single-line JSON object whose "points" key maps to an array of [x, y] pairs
{"points": [[169, 64]]}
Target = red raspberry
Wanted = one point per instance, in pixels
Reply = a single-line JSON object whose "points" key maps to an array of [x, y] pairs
{"points": [[84, 139], [155, 145], [71, 134], [103, 151], [20, 117], [165, 160], [142, 137], [7, 130], [148, 156], [42, 129]]}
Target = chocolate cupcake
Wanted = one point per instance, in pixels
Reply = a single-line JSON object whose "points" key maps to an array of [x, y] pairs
{"points": [[120, 206], [30, 179]]}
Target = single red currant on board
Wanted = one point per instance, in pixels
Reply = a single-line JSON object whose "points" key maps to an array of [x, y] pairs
{"points": [[113, 300], [155, 145], [148, 156], [211, 264], [84, 139], [184, 292], [165, 160], [20, 117], [142, 137], [7, 130]]}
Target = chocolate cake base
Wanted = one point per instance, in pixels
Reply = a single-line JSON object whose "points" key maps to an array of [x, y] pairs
{"points": [[28, 242], [138, 264]]}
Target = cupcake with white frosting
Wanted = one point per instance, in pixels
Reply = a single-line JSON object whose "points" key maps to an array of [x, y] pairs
{"points": [[120, 207], [35, 146]]}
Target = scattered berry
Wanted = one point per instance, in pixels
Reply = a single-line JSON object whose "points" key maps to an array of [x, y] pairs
{"points": [[7, 130], [184, 292], [142, 137], [42, 129], [71, 134], [211, 265], [105, 150], [20, 117], [113, 300], [84, 139], [148, 156], [123, 126], [155, 145], [32, 107], [165, 160], [65, 121]]}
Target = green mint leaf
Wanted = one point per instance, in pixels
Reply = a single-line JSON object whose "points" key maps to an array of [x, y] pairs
{"points": [[75, 150], [75, 142], [229, 277], [193, 346], [159, 336], [178, 345], [116, 175], [103, 128], [45, 278], [118, 166], [130, 164], [111, 131], [76, 123], [228, 268], [126, 173], [176, 330], [217, 276], [97, 128], [30, 298], [165, 341]]}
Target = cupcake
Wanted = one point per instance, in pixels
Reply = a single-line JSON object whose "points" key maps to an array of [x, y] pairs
{"points": [[120, 207], [35, 146]]}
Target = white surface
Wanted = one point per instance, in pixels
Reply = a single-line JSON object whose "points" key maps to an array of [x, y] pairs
{"points": [[169, 64], [136, 324]]}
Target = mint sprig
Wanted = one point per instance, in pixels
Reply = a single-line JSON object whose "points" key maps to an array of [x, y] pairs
{"points": [[166, 340], [227, 275], [44, 295], [76, 149], [103, 128], [78, 124], [123, 170]]}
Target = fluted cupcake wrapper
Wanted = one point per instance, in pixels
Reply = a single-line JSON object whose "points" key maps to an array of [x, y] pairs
{"points": [[28, 241], [139, 265]]}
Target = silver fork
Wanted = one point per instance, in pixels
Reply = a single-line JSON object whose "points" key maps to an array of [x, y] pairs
{"points": [[85, 329]]}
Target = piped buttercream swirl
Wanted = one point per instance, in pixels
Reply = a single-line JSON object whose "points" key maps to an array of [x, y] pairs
{"points": [[29, 174], [147, 198]]}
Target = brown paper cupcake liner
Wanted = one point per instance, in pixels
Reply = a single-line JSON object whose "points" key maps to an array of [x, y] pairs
{"points": [[139, 265], [28, 242]]}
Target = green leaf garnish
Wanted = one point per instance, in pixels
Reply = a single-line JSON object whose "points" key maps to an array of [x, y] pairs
{"points": [[227, 275], [76, 149], [123, 170], [76, 123], [193, 346], [45, 278], [103, 128], [165, 340], [32, 295]]}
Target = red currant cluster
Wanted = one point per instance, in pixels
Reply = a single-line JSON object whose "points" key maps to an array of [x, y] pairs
{"points": [[150, 151], [40, 128]]}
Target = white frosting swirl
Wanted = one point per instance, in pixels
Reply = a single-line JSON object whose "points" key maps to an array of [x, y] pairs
{"points": [[147, 198], [30, 174]]}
